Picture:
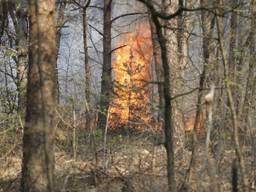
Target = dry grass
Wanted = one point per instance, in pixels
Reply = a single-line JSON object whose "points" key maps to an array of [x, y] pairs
{"points": [[133, 163]]}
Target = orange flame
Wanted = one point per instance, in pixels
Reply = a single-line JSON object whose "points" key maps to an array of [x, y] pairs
{"points": [[131, 71]]}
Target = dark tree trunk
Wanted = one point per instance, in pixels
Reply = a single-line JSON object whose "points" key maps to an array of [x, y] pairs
{"points": [[168, 125], [106, 81], [168, 107], [3, 17], [38, 138], [158, 70]]}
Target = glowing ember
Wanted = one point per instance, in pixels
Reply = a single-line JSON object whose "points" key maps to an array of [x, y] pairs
{"points": [[131, 72]]}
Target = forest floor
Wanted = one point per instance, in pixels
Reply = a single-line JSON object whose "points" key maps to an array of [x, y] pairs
{"points": [[130, 163]]}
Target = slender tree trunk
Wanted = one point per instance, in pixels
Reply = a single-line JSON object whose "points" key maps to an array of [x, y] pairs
{"points": [[3, 18], [106, 81], [38, 138], [8, 108], [18, 14], [235, 124], [87, 69], [22, 44], [158, 70], [60, 23], [207, 29], [168, 125], [232, 49]]}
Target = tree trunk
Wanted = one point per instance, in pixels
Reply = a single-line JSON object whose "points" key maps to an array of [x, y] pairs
{"points": [[207, 29], [251, 78], [38, 138], [232, 49], [87, 70], [60, 23], [176, 56], [21, 31], [18, 14], [239, 154], [3, 18], [106, 82], [158, 70], [168, 125]]}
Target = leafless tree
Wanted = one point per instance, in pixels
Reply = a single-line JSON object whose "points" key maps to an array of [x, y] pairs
{"points": [[106, 81]]}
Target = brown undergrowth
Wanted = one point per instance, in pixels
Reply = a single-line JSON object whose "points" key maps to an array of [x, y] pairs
{"points": [[130, 162]]}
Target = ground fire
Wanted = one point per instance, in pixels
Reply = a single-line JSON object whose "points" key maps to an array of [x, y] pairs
{"points": [[131, 73]]}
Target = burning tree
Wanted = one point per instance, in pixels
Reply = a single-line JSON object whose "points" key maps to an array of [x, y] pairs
{"points": [[131, 73]]}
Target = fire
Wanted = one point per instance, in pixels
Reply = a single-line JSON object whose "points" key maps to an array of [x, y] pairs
{"points": [[131, 72]]}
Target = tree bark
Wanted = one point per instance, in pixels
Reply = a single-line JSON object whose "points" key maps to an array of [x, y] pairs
{"points": [[106, 81], [176, 56], [251, 78], [38, 138], [232, 49]]}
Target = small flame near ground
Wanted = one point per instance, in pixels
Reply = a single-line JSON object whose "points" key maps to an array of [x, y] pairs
{"points": [[131, 74]]}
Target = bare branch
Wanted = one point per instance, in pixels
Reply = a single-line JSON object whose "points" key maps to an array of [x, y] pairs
{"points": [[96, 30], [181, 8], [128, 14], [120, 47]]}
